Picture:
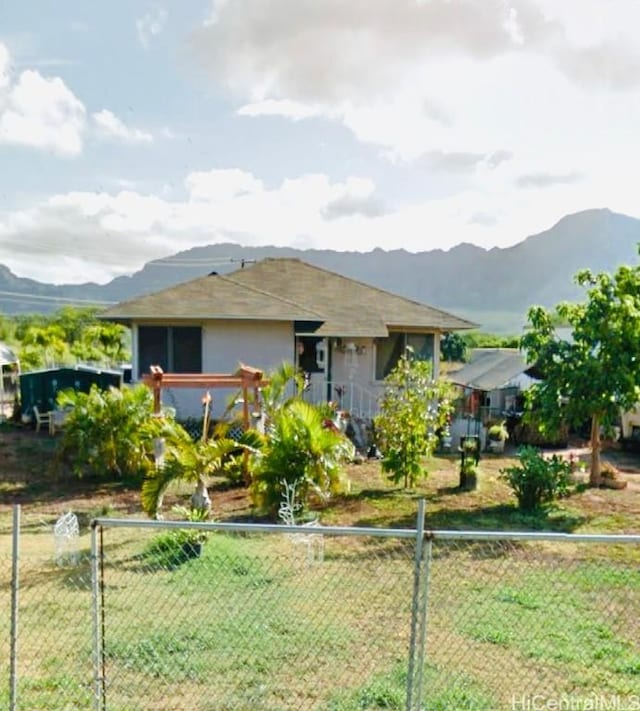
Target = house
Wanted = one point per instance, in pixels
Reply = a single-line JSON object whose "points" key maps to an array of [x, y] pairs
{"points": [[491, 386], [9, 371], [345, 335]]}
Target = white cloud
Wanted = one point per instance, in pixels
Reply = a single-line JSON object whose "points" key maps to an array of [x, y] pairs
{"points": [[39, 112], [289, 109], [217, 186], [5, 60], [103, 235], [110, 126], [151, 25], [334, 51], [117, 233], [498, 116], [543, 180], [43, 113], [456, 76]]}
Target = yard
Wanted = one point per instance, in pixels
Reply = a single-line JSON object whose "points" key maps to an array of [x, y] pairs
{"points": [[26, 478], [251, 625]]}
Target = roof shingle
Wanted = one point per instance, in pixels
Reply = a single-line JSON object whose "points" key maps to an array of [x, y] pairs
{"points": [[289, 290]]}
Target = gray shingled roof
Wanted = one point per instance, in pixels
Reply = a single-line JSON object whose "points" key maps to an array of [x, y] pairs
{"points": [[209, 297], [286, 290], [490, 369]]}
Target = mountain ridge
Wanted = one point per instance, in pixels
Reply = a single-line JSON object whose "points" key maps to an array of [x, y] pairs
{"points": [[493, 287]]}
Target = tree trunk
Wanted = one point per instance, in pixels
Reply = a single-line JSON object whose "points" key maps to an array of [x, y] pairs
{"points": [[594, 474], [200, 497]]}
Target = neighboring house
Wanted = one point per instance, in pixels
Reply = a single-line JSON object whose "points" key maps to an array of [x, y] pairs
{"points": [[491, 386], [9, 372], [344, 334]]}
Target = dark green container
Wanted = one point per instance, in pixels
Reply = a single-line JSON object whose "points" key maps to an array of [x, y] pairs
{"points": [[40, 387]]}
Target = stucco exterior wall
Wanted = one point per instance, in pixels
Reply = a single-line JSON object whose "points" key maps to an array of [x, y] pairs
{"points": [[225, 344], [256, 343]]}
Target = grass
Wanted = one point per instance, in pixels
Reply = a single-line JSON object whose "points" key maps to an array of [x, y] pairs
{"points": [[252, 624], [388, 691]]}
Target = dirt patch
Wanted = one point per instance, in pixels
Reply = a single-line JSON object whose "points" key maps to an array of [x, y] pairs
{"points": [[27, 477]]}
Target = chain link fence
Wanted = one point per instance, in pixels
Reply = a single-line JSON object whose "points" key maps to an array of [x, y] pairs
{"points": [[159, 615]]}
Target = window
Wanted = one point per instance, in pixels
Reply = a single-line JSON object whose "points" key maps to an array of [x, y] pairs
{"points": [[176, 349], [390, 349]]}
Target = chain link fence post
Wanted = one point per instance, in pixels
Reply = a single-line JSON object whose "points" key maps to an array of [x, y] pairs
{"points": [[422, 636], [418, 616], [15, 583], [98, 680]]}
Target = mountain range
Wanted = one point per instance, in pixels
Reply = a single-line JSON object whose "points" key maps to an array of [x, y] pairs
{"points": [[493, 288]]}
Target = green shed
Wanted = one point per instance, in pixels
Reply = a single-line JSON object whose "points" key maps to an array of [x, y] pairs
{"points": [[40, 387]]}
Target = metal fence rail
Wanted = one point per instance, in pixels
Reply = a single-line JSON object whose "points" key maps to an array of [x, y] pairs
{"points": [[343, 619]]}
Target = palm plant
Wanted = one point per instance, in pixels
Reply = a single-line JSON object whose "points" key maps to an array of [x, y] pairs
{"points": [[284, 384], [299, 451], [109, 432], [194, 461]]}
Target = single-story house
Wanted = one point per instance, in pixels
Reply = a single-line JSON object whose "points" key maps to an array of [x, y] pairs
{"points": [[345, 335], [491, 386]]}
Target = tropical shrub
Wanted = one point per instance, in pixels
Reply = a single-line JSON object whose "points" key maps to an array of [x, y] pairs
{"points": [[414, 408], [299, 450], [195, 461], [110, 432], [537, 479]]}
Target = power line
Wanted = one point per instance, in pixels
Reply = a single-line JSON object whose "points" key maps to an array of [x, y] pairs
{"points": [[196, 261], [18, 296]]}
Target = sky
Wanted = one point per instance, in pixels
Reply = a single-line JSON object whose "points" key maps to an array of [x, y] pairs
{"points": [[131, 131]]}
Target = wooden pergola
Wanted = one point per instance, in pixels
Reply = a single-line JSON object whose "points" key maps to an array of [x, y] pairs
{"points": [[245, 378]]}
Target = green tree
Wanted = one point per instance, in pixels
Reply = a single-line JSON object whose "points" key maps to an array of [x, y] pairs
{"points": [[74, 320], [593, 372], [413, 408], [453, 348], [43, 346], [301, 451], [101, 342], [7, 329], [68, 336], [478, 339], [283, 386]]}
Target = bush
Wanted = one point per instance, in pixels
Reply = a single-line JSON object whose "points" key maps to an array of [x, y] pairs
{"points": [[109, 432], [537, 480], [300, 451]]}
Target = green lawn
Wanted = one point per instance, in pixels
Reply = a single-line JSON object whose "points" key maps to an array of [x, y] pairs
{"points": [[252, 624]]}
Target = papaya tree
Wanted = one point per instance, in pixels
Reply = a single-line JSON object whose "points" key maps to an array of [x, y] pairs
{"points": [[414, 407], [590, 367]]}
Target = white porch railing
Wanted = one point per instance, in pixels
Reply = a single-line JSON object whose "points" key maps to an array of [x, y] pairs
{"points": [[352, 397]]}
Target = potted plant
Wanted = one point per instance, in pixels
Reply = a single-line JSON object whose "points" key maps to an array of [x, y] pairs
{"points": [[497, 435], [191, 540], [469, 457]]}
